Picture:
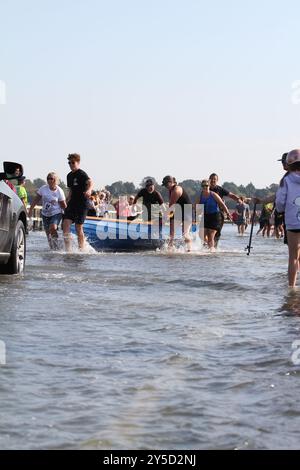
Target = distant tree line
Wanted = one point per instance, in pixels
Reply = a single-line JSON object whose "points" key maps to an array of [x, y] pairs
{"points": [[121, 188]]}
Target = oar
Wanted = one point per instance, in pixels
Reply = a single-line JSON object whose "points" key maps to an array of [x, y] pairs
{"points": [[248, 248]]}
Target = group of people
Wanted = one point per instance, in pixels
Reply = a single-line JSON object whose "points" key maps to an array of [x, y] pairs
{"points": [[56, 207], [81, 199]]}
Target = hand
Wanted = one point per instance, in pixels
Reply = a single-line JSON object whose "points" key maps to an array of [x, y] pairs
{"points": [[88, 193]]}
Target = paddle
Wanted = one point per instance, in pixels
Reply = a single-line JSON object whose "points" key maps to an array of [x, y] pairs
{"points": [[248, 248]]}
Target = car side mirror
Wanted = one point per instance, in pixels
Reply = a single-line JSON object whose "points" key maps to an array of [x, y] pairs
{"points": [[12, 170]]}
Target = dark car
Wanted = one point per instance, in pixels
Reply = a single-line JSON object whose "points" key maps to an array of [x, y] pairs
{"points": [[13, 222]]}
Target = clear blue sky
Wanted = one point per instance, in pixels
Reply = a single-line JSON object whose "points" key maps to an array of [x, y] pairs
{"points": [[154, 87]]}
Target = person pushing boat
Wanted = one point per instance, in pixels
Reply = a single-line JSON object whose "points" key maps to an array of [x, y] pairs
{"points": [[222, 192], [80, 186], [179, 197], [150, 197]]}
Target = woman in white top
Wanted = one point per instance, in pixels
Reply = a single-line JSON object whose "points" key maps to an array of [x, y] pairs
{"points": [[53, 202]]}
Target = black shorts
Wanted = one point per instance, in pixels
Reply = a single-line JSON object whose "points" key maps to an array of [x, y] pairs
{"points": [[77, 216], [294, 230], [212, 221], [278, 219]]}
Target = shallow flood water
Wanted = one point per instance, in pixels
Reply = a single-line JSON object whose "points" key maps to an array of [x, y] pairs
{"points": [[151, 350]]}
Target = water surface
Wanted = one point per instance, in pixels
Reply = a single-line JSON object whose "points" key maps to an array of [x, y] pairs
{"points": [[150, 350]]}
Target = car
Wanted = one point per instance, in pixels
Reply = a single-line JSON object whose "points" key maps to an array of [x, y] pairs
{"points": [[13, 222]]}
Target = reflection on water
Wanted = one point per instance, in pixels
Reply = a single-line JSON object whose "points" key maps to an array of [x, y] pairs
{"points": [[150, 350], [291, 305]]}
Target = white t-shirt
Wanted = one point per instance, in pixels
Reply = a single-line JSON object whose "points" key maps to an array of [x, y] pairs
{"points": [[50, 200]]}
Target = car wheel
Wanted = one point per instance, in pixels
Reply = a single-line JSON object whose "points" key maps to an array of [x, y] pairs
{"points": [[16, 262]]}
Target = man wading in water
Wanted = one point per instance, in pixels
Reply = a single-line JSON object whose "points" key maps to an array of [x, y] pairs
{"points": [[222, 192], [178, 196], [80, 186]]}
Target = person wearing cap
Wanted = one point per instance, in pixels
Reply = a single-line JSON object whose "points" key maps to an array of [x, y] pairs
{"points": [[269, 199], [279, 217], [150, 197], [178, 196], [80, 189], [288, 201], [21, 191]]}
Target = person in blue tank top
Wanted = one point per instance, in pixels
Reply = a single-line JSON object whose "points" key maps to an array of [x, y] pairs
{"points": [[213, 205]]}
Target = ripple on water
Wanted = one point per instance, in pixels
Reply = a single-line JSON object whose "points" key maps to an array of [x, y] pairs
{"points": [[150, 350]]}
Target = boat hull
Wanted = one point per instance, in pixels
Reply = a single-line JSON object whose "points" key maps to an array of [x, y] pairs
{"points": [[122, 235]]}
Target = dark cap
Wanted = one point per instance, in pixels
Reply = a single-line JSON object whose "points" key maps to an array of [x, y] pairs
{"points": [[167, 179], [283, 158], [21, 179], [149, 182]]}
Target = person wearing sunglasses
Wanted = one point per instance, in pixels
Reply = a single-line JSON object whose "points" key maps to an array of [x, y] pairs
{"points": [[213, 205], [53, 202], [80, 189], [222, 192]]}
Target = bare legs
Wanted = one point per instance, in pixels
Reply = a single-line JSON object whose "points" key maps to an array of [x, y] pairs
{"points": [[241, 229], [209, 237], [294, 256], [68, 237], [186, 235], [80, 235], [52, 236]]}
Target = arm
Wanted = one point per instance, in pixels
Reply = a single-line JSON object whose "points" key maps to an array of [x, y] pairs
{"points": [[175, 195], [233, 196], [281, 198], [266, 200], [36, 200], [221, 204], [69, 196], [138, 196], [62, 199], [89, 187]]}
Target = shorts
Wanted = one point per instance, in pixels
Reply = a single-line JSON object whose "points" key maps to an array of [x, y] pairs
{"points": [[213, 221], [294, 230], [278, 219], [53, 220], [241, 220], [77, 216]]}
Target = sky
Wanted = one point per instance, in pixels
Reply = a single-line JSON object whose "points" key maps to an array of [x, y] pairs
{"points": [[156, 87]]}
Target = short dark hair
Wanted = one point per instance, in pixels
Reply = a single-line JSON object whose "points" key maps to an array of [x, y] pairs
{"points": [[74, 156], [212, 175]]}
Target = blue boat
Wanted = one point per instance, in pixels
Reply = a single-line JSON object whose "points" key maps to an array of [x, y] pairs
{"points": [[105, 234]]}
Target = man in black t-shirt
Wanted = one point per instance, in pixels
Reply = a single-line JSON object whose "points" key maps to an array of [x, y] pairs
{"points": [[150, 196], [80, 188], [222, 192]]}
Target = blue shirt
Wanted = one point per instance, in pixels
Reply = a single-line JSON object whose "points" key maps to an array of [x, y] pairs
{"points": [[210, 204]]}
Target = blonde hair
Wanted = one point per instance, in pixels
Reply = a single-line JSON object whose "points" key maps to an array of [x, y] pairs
{"points": [[54, 175]]}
